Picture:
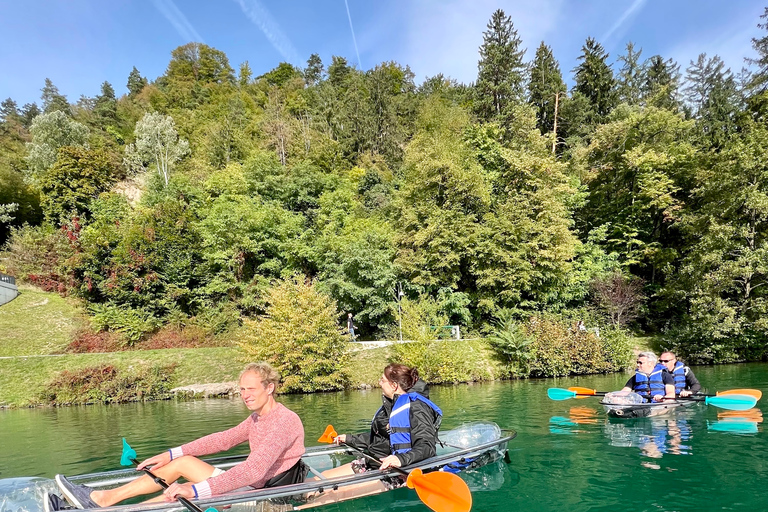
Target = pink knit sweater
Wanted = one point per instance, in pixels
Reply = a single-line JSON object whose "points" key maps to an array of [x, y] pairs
{"points": [[276, 441]]}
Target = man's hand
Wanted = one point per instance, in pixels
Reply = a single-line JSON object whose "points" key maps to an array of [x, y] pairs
{"points": [[158, 461], [686, 392], [174, 491]]}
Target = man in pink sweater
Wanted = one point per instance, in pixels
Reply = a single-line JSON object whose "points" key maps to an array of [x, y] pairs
{"points": [[275, 435]]}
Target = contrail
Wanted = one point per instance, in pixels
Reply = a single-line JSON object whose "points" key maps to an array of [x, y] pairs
{"points": [[260, 17], [180, 22], [359, 63], [632, 8]]}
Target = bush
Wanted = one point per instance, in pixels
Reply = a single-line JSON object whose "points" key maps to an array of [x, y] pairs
{"points": [[444, 361], [132, 323], [38, 255], [108, 384], [299, 335], [511, 344]]}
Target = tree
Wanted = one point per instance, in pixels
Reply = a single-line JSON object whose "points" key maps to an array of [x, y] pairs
{"points": [[594, 79], [7, 211], [53, 100], [199, 63], [713, 97], [619, 297], [28, 113], [136, 82], [50, 132], [300, 336], [314, 73], [661, 83], [77, 178], [631, 76], [106, 104], [546, 87], [9, 111], [157, 143], [501, 71], [245, 75]]}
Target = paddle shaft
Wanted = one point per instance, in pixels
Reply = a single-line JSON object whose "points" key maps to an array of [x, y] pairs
{"points": [[162, 483], [373, 459]]}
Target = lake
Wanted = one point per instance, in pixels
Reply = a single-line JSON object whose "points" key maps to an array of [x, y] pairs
{"points": [[567, 456]]}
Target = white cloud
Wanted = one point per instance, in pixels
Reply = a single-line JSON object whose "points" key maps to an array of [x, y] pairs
{"points": [[180, 22], [260, 17], [621, 22]]}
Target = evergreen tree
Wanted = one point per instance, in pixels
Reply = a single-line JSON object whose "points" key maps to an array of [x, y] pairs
{"points": [[338, 71], [501, 71], [29, 112], [661, 83], [546, 85], [759, 82], [712, 95], [53, 100], [314, 72], [106, 104], [9, 111], [631, 76], [245, 75], [594, 79], [136, 82], [701, 77]]}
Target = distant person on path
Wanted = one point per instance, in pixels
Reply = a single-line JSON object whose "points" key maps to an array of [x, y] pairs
{"points": [[686, 383], [651, 380], [351, 327], [274, 432]]}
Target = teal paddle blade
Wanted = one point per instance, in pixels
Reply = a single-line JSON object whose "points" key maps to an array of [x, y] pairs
{"points": [[126, 459], [560, 394], [732, 402], [211, 509], [734, 427]]}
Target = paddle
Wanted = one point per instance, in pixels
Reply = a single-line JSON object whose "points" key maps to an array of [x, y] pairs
{"points": [[730, 402], [748, 392], [440, 491], [128, 458]]}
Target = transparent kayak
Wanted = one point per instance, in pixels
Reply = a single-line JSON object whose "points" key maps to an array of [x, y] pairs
{"points": [[632, 405], [467, 447]]}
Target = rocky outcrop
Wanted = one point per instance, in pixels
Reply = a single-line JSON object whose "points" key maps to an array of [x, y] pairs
{"points": [[208, 390]]}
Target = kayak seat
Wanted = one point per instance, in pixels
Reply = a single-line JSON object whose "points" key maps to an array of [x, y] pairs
{"points": [[295, 475]]}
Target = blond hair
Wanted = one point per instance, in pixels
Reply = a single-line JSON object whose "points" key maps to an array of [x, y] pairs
{"points": [[264, 370]]}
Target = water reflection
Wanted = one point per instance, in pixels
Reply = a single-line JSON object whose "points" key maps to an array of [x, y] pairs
{"points": [[737, 422], [655, 436], [576, 416]]}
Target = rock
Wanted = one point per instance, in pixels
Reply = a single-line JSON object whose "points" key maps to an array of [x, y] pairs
{"points": [[208, 390]]}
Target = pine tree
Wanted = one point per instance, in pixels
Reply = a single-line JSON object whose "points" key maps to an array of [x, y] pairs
{"points": [[314, 72], [28, 113], [245, 75], [631, 76], [9, 111], [501, 71], [660, 87], [106, 103], [53, 100], [594, 78], [136, 82], [546, 87], [759, 82]]}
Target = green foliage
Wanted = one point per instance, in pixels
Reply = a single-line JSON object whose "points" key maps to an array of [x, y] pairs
{"points": [[443, 361], [38, 255], [157, 143], [511, 344], [77, 178], [108, 384], [545, 87], [51, 131], [594, 79], [299, 335], [132, 324]]}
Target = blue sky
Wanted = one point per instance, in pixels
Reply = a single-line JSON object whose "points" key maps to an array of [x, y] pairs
{"points": [[80, 43]]}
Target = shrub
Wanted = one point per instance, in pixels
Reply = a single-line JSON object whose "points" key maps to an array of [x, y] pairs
{"points": [[108, 384], [511, 344], [38, 255], [443, 361], [131, 323], [300, 336]]}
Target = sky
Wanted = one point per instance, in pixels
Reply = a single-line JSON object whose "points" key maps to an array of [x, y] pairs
{"points": [[79, 44]]}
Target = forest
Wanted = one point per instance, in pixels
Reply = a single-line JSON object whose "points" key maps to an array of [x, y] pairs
{"points": [[636, 200]]}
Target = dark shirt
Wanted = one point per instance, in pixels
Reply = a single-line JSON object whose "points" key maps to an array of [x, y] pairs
{"points": [[691, 382]]}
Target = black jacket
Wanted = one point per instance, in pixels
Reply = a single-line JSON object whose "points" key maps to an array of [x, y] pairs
{"points": [[423, 430]]}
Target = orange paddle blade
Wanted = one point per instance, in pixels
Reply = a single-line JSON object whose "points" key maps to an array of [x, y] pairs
{"points": [[328, 435], [749, 392], [442, 492], [582, 391]]}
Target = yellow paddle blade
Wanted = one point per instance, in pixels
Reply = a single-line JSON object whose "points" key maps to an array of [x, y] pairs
{"points": [[749, 392], [582, 391], [442, 492], [328, 435]]}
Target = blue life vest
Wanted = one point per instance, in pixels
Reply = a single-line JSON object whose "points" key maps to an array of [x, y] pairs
{"points": [[649, 385], [679, 374], [400, 421]]}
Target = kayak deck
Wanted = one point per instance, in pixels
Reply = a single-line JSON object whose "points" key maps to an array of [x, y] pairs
{"points": [[644, 410]]}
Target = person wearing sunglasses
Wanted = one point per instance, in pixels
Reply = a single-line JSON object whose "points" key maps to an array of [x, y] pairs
{"points": [[686, 383], [651, 380]]}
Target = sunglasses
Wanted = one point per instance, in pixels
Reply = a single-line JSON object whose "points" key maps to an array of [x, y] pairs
{"points": [[666, 360]]}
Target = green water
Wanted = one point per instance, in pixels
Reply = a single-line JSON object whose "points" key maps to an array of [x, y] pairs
{"points": [[567, 455]]}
